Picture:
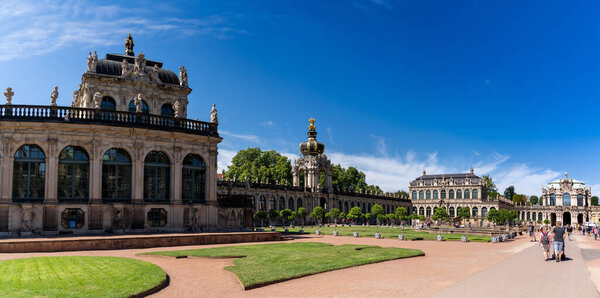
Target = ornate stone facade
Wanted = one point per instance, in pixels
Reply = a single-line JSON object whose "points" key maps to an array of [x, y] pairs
{"points": [[451, 191]]}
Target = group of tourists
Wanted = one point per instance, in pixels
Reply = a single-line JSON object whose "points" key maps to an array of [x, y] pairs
{"points": [[590, 230], [554, 236]]}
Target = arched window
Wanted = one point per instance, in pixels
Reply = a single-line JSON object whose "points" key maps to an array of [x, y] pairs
{"points": [[528, 215], [474, 212], [73, 174], [451, 211], [435, 195], [157, 176], [193, 179], [467, 194], [421, 211], [492, 208], [414, 195], [579, 200], [428, 195], [29, 173], [281, 203], [414, 210], [421, 195], [116, 175], [145, 109], [167, 110], [428, 212], [364, 208], [108, 104], [484, 212], [533, 216], [451, 194], [459, 194], [566, 199], [346, 207], [552, 199], [443, 194], [272, 203], [299, 203], [291, 204], [157, 217], [539, 215], [262, 203], [475, 194]]}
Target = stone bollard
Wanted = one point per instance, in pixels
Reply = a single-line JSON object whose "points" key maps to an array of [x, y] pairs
{"points": [[318, 232], [464, 239], [286, 231], [378, 236], [355, 234], [440, 238], [494, 239], [400, 237], [335, 233], [301, 231]]}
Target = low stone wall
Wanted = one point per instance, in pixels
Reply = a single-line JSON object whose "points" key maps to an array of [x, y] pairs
{"points": [[130, 242]]}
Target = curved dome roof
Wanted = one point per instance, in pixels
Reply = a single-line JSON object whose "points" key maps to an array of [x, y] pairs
{"points": [[112, 66], [556, 184], [311, 146]]}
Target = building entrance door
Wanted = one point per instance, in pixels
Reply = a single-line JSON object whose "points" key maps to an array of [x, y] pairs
{"points": [[580, 218], [553, 219], [567, 218]]}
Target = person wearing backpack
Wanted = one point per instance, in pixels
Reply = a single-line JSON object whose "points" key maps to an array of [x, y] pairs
{"points": [[559, 240], [545, 242]]}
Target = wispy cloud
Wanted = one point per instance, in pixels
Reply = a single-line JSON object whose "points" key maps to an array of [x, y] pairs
{"points": [[268, 123], [250, 138], [381, 147], [38, 28]]}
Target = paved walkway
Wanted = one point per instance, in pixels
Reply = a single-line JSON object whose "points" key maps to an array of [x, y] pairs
{"points": [[526, 274]]}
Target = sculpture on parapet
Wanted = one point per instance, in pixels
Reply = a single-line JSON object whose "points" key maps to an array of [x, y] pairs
{"points": [[97, 100], [154, 73], [54, 96], [125, 69], [176, 109], [213, 115], [75, 98], [138, 103], [9, 94], [92, 61], [183, 79], [140, 65]]}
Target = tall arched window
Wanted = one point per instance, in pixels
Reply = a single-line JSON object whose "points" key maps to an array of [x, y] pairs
{"points": [[539, 215], [484, 212], [421, 195], [281, 203], [167, 110], [108, 104], [451, 211], [579, 200], [475, 194], [29, 173], [73, 174], [272, 203], [459, 194], [428, 212], [421, 211], [414, 195], [435, 195], [443, 194], [346, 207], [467, 194], [552, 199], [566, 199], [451, 194], [262, 203], [474, 212], [428, 195], [291, 204], [145, 109], [299, 203], [157, 176], [193, 178], [116, 175], [533, 216]]}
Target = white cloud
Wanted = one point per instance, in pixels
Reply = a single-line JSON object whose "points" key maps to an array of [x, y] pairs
{"points": [[37, 28], [526, 180], [381, 147], [268, 123], [224, 159], [250, 138]]}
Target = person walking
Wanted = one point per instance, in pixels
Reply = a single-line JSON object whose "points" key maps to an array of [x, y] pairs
{"points": [[545, 242], [569, 231], [532, 232], [579, 229], [559, 240], [595, 233]]}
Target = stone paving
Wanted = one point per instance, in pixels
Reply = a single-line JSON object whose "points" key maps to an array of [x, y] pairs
{"points": [[446, 267]]}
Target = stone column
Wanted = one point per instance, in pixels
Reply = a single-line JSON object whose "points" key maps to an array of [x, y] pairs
{"points": [[137, 179], [176, 181], [51, 172], [96, 174], [5, 169], [212, 174]]}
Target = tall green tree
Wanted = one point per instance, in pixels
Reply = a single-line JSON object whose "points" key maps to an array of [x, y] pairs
{"points": [[342, 216], [302, 214], [377, 210], [492, 190], [273, 214], [318, 213], [519, 199], [285, 214], [534, 200], [254, 164], [441, 214], [463, 213], [594, 201], [402, 194], [509, 192], [334, 213], [260, 215], [354, 214], [401, 213], [350, 179]]}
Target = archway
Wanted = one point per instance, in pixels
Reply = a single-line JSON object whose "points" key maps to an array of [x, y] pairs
{"points": [[553, 219], [567, 218], [580, 218]]}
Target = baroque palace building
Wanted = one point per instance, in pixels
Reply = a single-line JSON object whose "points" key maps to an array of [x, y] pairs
{"points": [[123, 157], [566, 200], [451, 191], [308, 169]]}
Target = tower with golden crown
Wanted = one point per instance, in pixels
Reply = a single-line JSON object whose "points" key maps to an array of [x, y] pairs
{"points": [[312, 163]]}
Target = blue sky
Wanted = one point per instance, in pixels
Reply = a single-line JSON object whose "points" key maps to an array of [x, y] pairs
{"points": [[507, 87]]}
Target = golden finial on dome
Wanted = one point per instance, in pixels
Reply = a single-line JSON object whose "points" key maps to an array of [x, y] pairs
{"points": [[129, 46], [311, 127]]}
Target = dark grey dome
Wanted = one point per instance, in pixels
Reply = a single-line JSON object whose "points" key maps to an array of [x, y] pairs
{"points": [[112, 66]]}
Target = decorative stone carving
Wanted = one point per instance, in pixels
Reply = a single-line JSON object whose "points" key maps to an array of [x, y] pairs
{"points": [[138, 103], [9, 94], [118, 221], [92, 61], [213, 115], [183, 79], [176, 109], [97, 100], [125, 69], [54, 96], [75, 101], [154, 74], [140, 65], [27, 218]]}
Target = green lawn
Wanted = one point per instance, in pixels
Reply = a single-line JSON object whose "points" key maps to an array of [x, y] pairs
{"points": [[77, 277], [264, 264], [386, 232]]}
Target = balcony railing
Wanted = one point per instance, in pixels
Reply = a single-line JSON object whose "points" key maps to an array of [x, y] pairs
{"points": [[32, 113]]}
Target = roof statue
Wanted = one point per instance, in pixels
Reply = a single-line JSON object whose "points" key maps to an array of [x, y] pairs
{"points": [[138, 103], [183, 80], [129, 46], [213, 115], [176, 109], [92, 61], [54, 96], [9, 94], [97, 99], [311, 146], [75, 98]]}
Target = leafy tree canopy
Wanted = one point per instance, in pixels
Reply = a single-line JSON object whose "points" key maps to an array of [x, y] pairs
{"points": [[355, 213], [376, 210], [534, 200], [401, 213], [440, 213], [509, 192], [492, 190], [254, 164], [595, 201]]}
